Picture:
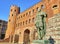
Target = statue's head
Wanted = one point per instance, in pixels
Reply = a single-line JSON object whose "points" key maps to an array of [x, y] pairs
{"points": [[39, 10]]}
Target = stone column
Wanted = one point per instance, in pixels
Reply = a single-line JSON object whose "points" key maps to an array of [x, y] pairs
{"points": [[20, 37], [13, 38], [10, 39]]}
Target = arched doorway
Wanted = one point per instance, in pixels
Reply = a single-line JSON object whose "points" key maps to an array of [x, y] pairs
{"points": [[26, 36], [16, 39]]}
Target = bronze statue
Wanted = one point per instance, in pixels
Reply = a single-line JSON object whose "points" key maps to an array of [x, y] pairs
{"points": [[40, 23]]}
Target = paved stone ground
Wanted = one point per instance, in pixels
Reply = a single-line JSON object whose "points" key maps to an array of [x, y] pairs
{"points": [[8, 43]]}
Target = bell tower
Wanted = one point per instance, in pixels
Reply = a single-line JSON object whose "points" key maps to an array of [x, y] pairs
{"points": [[14, 11]]}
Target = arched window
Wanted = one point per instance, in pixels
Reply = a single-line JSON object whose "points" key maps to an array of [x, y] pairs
{"points": [[21, 16], [12, 14], [55, 6], [42, 7], [33, 10], [33, 19], [37, 8], [11, 10], [29, 20], [23, 22], [9, 20], [14, 10], [26, 21], [29, 12]]}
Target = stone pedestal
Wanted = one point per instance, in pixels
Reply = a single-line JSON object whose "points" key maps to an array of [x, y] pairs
{"points": [[40, 42]]}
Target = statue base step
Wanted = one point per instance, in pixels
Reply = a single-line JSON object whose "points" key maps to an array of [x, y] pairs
{"points": [[40, 42]]}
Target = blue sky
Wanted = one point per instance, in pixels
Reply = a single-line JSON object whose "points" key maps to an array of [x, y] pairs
{"points": [[23, 4]]}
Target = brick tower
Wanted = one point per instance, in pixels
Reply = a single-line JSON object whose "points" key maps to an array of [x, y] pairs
{"points": [[14, 11]]}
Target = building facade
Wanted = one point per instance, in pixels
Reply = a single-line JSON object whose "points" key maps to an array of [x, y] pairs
{"points": [[3, 27], [21, 27]]}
